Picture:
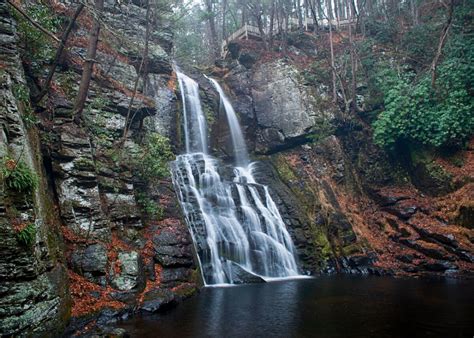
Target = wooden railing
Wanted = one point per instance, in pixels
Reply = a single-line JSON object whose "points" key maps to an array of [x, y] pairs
{"points": [[248, 30]]}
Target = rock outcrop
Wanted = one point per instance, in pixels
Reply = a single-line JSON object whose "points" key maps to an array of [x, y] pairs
{"points": [[34, 295], [278, 109], [286, 110]]}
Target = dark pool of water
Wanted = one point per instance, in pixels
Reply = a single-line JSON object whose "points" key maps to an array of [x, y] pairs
{"points": [[321, 307]]}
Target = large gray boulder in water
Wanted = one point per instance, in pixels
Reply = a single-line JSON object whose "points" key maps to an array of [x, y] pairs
{"points": [[242, 276]]}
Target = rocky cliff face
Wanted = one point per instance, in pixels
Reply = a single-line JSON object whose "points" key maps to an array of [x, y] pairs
{"points": [[108, 237], [34, 295], [349, 206]]}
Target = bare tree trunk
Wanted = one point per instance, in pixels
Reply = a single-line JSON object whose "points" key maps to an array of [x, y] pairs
{"points": [[270, 30], [141, 68], [212, 29], [353, 61], [414, 12], [337, 12], [88, 64], [224, 11], [59, 52], [313, 14], [300, 15], [333, 66], [442, 41]]}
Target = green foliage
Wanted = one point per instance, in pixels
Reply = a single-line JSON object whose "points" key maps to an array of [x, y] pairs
{"points": [[418, 44], [382, 32], [68, 81], [324, 128], [27, 235], [417, 113], [152, 163], [18, 176], [38, 48]]}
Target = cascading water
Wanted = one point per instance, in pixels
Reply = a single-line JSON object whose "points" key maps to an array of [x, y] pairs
{"points": [[236, 227]]}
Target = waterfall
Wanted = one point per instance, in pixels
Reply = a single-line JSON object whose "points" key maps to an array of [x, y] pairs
{"points": [[237, 230], [238, 142]]}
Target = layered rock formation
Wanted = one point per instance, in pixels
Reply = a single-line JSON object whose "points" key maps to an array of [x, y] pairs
{"points": [[34, 294], [108, 239]]}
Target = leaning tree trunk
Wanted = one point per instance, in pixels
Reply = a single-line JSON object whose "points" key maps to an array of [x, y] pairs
{"points": [[88, 63], [59, 52], [442, 41]]}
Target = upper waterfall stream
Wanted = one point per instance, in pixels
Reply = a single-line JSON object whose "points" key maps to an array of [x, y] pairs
{"points": [[237, 229]]}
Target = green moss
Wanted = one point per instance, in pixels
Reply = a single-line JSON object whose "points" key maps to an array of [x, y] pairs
{"points": [[84, 164], [150, 207], [185, 292], [437, 172], [351, 249], [322, 242], [283, 168]]}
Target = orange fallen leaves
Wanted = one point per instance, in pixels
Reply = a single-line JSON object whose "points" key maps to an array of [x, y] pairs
{"points": [[83, 302]]}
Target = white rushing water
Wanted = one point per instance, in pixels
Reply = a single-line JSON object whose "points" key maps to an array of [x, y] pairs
{"points": [[237, 229]]}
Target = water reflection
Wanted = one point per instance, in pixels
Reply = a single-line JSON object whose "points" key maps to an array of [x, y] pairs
{"points": [[323, 307]]}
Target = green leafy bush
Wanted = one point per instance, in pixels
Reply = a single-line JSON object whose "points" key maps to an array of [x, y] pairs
{"points": [[18, 176], [417, 113], [22, 95]]}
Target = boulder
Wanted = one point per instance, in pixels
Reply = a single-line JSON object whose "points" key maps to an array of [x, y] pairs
{"points": [[173, 248], [91, 259], [156, 300], [174, 276], [242, 276], [131, 275], [285, 108]]}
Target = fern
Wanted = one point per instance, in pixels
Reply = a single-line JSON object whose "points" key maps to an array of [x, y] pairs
{"points": [[18, 176], [27, 235]]}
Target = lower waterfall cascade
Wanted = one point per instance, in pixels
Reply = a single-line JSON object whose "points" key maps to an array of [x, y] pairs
{"points": [[238, 232]]}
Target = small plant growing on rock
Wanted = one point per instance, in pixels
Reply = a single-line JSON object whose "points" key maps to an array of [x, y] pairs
{"points": [[16, 175], [150, 207], [25, 233], [153, 162]]}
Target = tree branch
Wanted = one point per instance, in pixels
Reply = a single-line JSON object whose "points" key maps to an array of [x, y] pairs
{"points": [[33, 22], [59, 52]]}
